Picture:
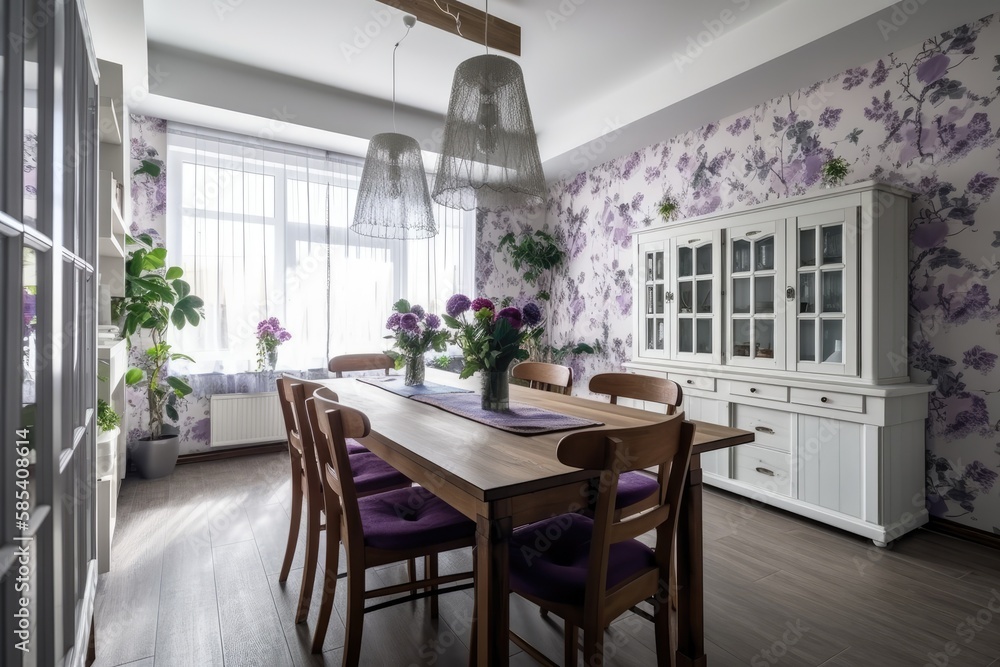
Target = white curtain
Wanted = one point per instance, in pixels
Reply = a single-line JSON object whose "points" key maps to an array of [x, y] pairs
{"points": [[261, 230]]}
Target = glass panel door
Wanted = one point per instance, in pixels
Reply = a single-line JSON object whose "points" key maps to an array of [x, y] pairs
{"points": [[654, 298], [756, 269], [825, 322], [697, 318]]}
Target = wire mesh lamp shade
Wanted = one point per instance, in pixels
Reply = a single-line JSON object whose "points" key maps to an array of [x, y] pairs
{"points": [[393, 201], [489, 157]]}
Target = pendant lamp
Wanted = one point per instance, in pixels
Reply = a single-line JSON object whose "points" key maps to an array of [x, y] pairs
{"points": [[489, 156], [393, 200]]}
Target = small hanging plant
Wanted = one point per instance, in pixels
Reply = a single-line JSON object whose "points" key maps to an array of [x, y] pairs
{"points": [[668, 208], [835, 171]]}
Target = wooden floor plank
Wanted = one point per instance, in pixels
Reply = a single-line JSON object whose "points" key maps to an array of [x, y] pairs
{"points": [[249, 623]]}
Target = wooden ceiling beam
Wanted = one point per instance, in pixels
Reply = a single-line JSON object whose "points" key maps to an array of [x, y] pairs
{"points": [[503, 35]]}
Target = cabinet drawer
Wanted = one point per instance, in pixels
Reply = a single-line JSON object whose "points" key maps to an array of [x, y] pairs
{"points": [[693, 382], [770, 392], [828, 399], [771, 428], [763, 468]]}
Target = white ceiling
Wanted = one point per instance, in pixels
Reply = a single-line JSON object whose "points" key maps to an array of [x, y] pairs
{"points": [[590, 66]]}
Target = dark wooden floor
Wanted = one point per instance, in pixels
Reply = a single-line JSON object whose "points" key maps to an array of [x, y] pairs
{"points": [[194, 581]]}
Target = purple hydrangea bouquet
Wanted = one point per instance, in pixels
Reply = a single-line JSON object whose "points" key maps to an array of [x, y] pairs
{"points": [[270, 334], [415, 331], [491, 339]]}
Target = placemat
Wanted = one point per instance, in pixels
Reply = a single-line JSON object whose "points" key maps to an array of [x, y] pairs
{"points": [[521, 418], [396, 385]]}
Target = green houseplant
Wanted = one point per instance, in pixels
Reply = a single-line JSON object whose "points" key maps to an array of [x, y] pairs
{"points": [[667, 208], [538, 253], [108, 422], [835, 171], [155, 299]]}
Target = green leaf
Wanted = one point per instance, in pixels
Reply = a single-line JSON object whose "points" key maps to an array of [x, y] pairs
{"points": [[134, 376], [182, 288], [401, 306], [171, 412], [180, 387], [146, 239], [178, 318], [451, 322], [177, 355], [174, 272]]}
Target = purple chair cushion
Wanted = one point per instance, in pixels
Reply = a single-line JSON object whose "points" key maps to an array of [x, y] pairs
{"points": [[549, 559], [633, 487], [372, 473], [411, 518], [355, 447]]}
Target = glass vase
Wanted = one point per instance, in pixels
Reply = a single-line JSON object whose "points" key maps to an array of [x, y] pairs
{"points": [[496, 391], [414, 373], [272, 360]]}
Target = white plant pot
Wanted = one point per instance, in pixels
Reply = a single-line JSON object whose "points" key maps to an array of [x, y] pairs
{"points": [[107, 451]]}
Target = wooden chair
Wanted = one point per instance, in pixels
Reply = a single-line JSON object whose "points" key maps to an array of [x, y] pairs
{"points": [[637, 490], [377, 530], [547, 377], [352, 363], [594, 569], [373, 475]]}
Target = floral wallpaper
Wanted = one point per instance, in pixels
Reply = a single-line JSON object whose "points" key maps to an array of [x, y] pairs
{"points": [[926, 119]]}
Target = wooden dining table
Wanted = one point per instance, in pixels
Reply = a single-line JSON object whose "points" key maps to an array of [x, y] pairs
{"points": [[503, 480]]}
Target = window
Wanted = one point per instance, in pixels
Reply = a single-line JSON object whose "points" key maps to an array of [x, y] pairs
{"points": [[262, 230]]}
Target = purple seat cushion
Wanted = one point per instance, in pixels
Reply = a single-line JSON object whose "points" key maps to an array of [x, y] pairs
{"points": [[411, 518], [355, 447], [550, 559], [633, 487], [372, 473]]}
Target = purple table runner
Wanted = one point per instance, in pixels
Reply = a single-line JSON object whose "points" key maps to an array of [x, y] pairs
{"points": [[521, 419], [396, 385]]}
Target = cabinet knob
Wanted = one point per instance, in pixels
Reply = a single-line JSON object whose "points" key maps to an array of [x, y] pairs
{"points": [[690, 381], [753, 390], [668, 297], [824, 400], [790, 293], [765, 471]]}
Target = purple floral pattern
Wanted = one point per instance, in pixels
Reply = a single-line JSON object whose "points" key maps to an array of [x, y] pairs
{"points": [[925, 119]]}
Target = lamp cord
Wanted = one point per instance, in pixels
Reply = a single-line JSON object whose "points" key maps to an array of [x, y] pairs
{"points": [[394, 77]]}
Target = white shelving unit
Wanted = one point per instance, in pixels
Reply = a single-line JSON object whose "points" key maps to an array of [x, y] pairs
{"points": [[113, 213], [786, 319]]}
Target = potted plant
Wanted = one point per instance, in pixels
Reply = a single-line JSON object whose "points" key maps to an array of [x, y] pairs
{"points": [[415, 332], [835, 171], [491, 341], [668, 208], [107, 437], [539, 253], [155, 298]]}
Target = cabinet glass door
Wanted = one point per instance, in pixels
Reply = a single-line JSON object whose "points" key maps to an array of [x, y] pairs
{"points": [[697, 322], [824, 296], [653, 299], [756, 274]]}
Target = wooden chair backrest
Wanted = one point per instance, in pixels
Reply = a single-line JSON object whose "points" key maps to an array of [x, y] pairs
{"points": [[639, 387], [547, 377], [333, 424], [293, 393], [349, 363], [667, 445]]}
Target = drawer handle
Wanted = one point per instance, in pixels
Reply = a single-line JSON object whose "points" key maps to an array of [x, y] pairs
{"points": [[765, 429], [765, 471], [753, 390], [824, 400]]}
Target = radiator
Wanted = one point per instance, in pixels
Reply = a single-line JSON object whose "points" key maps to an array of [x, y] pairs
{"points": [[246, 419]]}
